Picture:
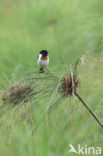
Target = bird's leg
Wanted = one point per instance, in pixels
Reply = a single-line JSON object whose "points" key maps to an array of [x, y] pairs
{"points": [[41, 70]]}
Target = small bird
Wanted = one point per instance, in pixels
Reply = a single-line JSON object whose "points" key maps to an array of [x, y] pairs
{"points": [[43, 60]]}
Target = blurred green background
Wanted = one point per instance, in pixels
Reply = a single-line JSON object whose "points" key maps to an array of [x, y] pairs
{"points": [[67, 29]]}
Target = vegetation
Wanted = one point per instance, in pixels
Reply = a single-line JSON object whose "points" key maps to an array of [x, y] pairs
{"points": [[67, 29]]}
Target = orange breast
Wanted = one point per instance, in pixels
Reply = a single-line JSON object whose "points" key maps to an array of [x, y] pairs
{"points": [[44, 58]]}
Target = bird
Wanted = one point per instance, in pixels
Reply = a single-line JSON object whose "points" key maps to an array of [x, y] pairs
{"points": [[43, 60]]}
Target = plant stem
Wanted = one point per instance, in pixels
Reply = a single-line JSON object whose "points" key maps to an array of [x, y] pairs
{"points": [[48, 111], [89, 109], [76, 65]]}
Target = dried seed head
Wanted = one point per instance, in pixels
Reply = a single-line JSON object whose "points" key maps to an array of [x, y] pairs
{"points": [[16, 93], [69, 84]]}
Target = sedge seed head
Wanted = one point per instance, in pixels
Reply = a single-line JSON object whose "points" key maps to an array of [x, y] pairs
{"points": [[69, 84], [16, 93]]}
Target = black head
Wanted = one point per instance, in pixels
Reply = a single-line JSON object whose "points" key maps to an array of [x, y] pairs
{"points": [[44, 53]]}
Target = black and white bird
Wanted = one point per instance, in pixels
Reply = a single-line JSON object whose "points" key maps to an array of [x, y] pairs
{"points": [[43, 60]]}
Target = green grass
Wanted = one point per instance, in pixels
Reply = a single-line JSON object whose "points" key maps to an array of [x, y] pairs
{"points": [[26, 27]]}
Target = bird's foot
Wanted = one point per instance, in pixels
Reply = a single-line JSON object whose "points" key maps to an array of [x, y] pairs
{"points": [[41, 70]]}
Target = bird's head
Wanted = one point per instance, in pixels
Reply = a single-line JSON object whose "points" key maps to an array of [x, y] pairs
{"points": [[44, 53]]}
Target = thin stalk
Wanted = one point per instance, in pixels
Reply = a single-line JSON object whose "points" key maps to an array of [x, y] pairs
{"points": [[89, 109], [47, 112], [76, 65]]}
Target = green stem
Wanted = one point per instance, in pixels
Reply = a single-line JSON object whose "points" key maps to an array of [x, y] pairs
{"points": [[89, 109]]}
